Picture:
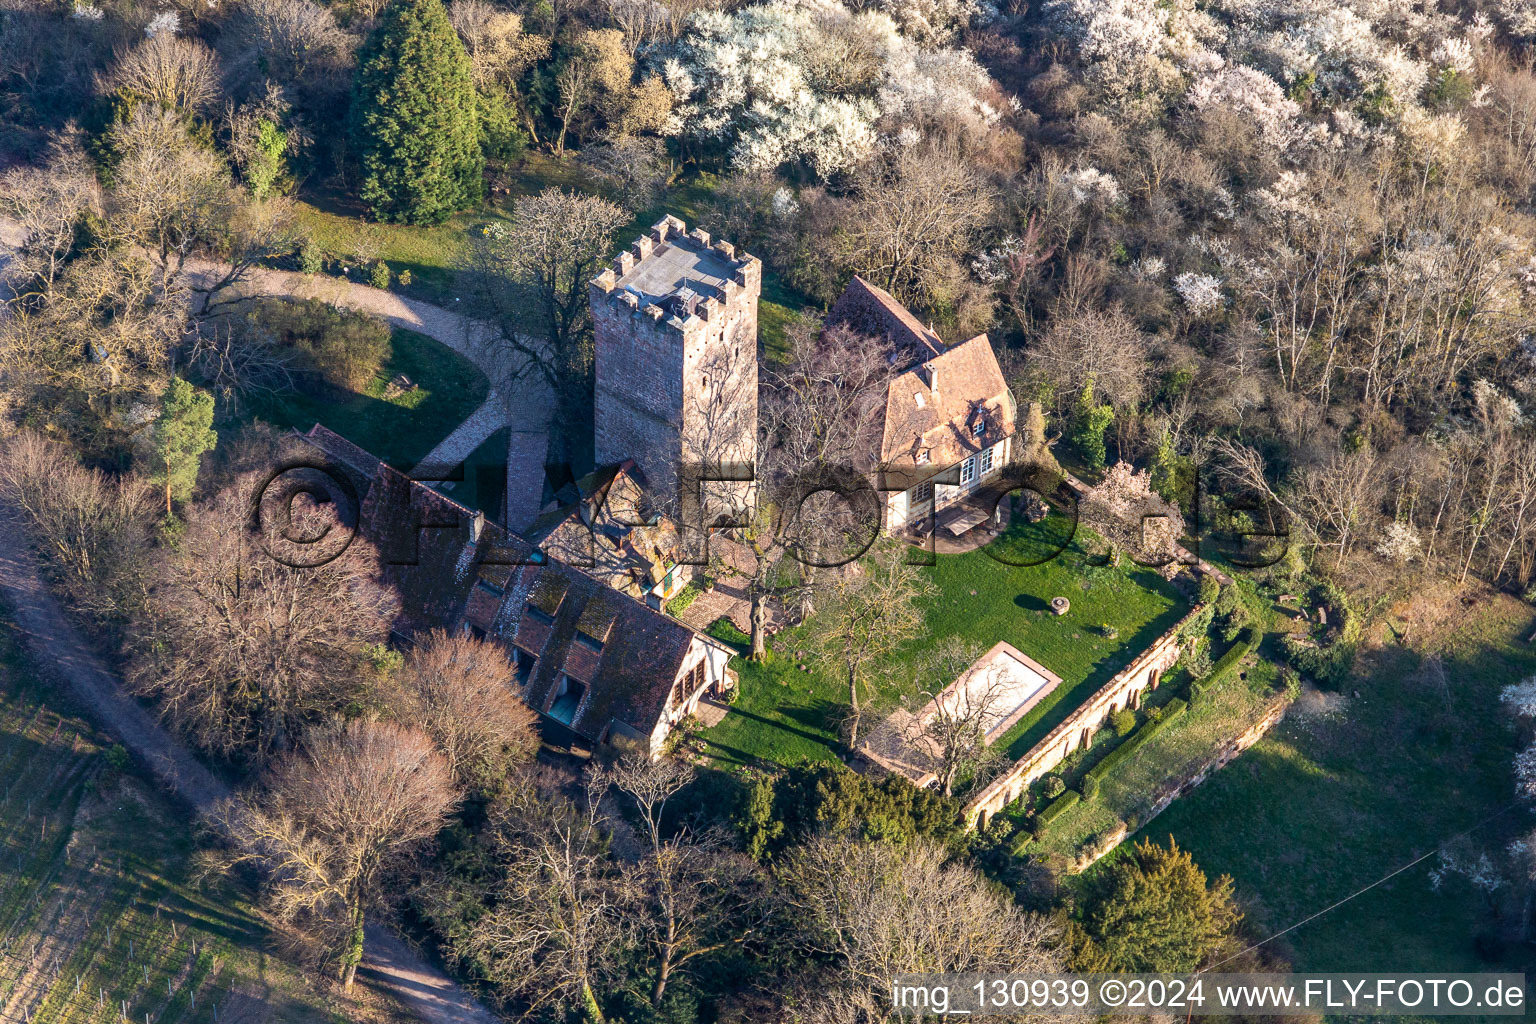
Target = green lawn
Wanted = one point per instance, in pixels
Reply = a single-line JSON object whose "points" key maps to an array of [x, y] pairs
{"points": [[96, 870], [401, 429], [338, 224], [1334, 799], [784, 715]]}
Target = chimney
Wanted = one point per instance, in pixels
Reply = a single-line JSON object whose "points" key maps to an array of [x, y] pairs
{"points": [[476, 525], [931, 373]]}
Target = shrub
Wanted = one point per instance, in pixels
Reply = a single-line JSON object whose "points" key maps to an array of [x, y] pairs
{"points": [[311, 258], [1051, 786], [1328, 663], [814, 797], [404, 277], [682, 599], [1209, 589], [1090, 786], [1123, 721], [1100, 771], [117, 758], [1227, 599], [1225, 664], [379, 275], [343, 348]]}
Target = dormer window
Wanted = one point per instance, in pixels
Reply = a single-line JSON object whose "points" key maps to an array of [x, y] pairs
{"points": [[979, 428], [923, 457]]}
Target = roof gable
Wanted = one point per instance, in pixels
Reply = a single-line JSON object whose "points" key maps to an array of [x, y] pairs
{"points": [[948, 407], [873, 310]]}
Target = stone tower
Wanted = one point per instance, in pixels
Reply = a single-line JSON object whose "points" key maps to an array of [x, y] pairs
{"points": [[675, 325]]}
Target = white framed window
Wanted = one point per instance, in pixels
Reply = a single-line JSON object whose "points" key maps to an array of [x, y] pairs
{"points": [[922, 457], [984, 461], [968, 471], [979, 428], [922, 494]]}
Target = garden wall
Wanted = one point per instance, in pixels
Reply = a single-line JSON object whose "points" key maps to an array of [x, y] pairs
{"points": [[1172, 790], [1123, 690]]}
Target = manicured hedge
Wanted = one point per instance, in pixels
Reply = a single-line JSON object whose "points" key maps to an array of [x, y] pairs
{"points": [[1096, 774], [1061, 805], [1224, 665], [1089, 786]]}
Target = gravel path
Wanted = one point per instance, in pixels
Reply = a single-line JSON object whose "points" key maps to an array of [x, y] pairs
{"points": [[466, 437], [520, 400], [57, 644]]}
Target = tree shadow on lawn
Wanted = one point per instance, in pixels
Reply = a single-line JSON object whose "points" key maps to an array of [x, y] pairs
{"points": [[804, 716], [822, 714]]}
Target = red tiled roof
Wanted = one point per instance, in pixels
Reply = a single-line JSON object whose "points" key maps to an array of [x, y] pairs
{"points": [[433, 558], [936, 406], [873, 310]]}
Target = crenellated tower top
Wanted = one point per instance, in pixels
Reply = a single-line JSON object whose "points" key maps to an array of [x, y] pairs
{"points": [[675, 276]]}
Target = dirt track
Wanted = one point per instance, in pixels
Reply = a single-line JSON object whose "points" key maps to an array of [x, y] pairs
{"points": [[57, 644]]}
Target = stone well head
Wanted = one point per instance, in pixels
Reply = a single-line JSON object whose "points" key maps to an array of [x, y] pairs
{"points": [[1059, 605]]}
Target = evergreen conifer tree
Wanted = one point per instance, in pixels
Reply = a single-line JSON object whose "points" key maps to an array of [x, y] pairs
{"points": [[414, 122], [183, 432]]}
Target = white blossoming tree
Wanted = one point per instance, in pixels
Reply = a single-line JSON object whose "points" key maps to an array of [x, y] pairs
{"points": [[812, 82]]}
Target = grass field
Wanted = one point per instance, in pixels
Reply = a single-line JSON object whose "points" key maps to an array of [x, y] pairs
{"points": [[1347, 789], [338, 224], [99, 910], [1178, 748], [401, 429], [784, 715]]}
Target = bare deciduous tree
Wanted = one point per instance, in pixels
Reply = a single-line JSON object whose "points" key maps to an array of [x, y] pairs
{"points": [[333, 818], [169, 193], [872, 610], [49, 203], [883, 909], [295, 42], [951, 733], [1102, 346], [243, 651], [914, 214], [92, 528], [555, 931], [534, 282], [170, 72], [693, 892], [462, 691]]}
